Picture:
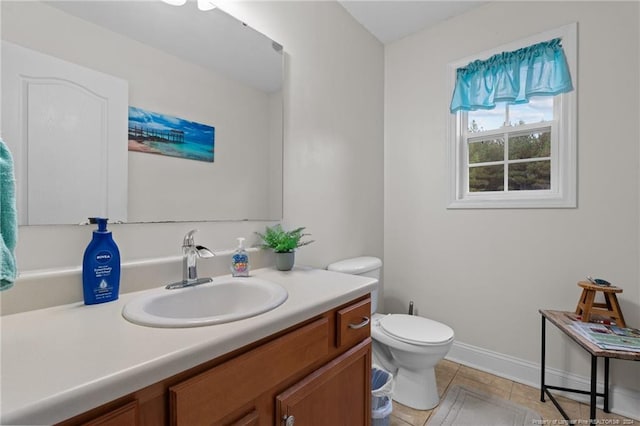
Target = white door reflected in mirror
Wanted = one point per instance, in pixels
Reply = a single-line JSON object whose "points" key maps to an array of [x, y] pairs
{"points": [[66, 123]]}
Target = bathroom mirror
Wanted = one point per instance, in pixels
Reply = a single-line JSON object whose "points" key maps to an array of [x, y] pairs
{"points": [[183, 63]]}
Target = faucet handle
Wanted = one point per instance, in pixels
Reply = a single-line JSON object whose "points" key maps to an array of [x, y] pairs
{"points": [[188, 238]]}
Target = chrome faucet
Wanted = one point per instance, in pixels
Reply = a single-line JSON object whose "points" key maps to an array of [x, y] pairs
{"points": [[190, 254]]}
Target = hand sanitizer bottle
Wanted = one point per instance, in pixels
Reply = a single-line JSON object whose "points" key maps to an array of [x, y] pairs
{"points": [[240, 261]]}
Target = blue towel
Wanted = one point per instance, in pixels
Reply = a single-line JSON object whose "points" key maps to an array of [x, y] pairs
{"points": [[8, 219]]}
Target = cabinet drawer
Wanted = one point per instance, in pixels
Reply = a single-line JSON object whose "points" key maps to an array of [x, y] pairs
{"points": [[353, 323], [208, 397]]}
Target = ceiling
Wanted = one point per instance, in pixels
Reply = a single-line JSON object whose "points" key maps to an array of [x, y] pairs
{"points": [[391, 20]]}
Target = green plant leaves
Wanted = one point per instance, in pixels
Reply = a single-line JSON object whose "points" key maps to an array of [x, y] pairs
{"points": [[282, 241]]}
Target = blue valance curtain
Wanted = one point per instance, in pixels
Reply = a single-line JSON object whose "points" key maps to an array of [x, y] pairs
{"points": [[537, 70]]}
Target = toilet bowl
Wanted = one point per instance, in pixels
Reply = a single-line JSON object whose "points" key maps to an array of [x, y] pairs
{"points": [[407, 346], [410, 347]]}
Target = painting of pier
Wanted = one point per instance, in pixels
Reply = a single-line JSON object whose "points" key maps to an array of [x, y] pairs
{"points": [[156, 133]]}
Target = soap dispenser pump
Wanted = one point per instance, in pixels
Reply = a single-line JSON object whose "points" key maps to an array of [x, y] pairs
{"points": [[240, 261]]}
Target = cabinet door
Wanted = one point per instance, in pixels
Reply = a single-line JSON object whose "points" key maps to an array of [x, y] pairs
{"points": [[338, 394]]}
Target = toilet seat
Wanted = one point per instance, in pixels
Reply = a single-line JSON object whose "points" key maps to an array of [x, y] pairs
{"points": [[416, 330]]}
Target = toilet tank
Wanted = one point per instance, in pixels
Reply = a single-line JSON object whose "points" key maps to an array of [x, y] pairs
{"points": [[366, 266]]}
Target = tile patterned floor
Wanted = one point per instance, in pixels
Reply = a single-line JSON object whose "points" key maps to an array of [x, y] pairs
{"points": [[449, 373]]}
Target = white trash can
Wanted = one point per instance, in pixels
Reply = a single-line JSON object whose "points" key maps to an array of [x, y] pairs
{"points": [[381, 391]]}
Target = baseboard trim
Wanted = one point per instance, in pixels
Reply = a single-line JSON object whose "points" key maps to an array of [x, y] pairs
{"points": [[623, 401]]}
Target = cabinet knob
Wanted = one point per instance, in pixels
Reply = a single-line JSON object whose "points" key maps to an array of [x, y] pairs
{"points": [[365, 321], [289, 420]]}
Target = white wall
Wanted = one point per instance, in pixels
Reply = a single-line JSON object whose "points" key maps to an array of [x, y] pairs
{"points": [[487, 272], [333, 155], [333, 161]]}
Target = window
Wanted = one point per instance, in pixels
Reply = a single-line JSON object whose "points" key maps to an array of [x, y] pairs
{"points": [[509, 148], [516, 155]]}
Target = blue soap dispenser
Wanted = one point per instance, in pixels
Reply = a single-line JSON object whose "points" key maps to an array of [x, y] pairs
{"points": [[101, 266], [240, 261]]}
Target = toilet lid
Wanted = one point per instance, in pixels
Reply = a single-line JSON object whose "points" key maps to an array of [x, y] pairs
{"points": [[416, 330]]}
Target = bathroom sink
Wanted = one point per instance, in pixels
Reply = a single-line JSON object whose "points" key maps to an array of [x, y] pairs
{"points": [[225, 299]]}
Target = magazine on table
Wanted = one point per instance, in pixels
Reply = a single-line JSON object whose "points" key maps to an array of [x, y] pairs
{"points": [[609, 336]]}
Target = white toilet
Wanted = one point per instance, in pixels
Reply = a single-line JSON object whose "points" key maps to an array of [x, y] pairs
{"points": [[408, 346]]}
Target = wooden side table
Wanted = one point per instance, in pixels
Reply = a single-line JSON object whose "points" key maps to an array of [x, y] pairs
{"points": [[562, 320], [610, 308]]}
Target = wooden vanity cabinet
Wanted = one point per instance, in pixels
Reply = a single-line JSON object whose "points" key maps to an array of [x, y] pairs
{"points": [[315, 373]]}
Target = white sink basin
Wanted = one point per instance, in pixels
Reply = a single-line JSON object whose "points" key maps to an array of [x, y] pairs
{"points": [[225, 299]]}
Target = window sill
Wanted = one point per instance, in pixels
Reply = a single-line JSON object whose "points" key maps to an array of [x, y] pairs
{"points": [[546, 202]]}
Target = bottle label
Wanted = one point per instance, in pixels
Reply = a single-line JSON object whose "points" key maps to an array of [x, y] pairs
{"points": [[240, 262], [102, 271], [103, 256], [103, 291], [102, 267]]}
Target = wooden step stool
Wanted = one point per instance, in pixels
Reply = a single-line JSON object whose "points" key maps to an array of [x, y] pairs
{"points": [[610, 309]]}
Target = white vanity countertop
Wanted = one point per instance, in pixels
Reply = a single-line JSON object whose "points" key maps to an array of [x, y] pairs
{"points": [[59, 362]]}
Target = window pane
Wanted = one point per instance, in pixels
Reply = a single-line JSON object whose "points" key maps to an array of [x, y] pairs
{"points": [[534, 175], [487, 119], [486, 150], [486, 178], [537, 110], [533, 145]]}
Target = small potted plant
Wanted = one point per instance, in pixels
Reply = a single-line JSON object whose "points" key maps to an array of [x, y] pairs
{"points": [[283, 243]]}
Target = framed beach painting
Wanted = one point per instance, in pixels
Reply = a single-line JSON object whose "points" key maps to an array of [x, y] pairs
{"points": [[156, 133]]}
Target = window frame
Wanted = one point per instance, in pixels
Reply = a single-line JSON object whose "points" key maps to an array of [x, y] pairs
{"points": [[563, 191]]}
